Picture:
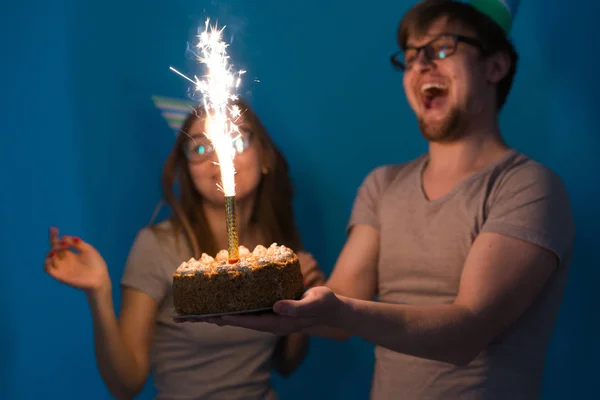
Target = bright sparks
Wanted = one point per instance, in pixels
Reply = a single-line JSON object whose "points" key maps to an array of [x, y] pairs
{"points": [[217, 88]]}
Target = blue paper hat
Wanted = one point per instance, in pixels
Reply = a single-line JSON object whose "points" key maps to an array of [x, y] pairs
{"points": [[501, 11]]}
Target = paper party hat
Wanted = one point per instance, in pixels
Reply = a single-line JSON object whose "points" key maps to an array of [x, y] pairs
{"points": [[501, 11], [174, 111]]}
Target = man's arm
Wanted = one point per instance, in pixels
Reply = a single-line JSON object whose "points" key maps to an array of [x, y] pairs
{"points": [[355, 272], [501, 278], [529, 228]]}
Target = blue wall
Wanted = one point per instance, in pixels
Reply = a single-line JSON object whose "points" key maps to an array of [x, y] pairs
{"points": [[82, 146]]}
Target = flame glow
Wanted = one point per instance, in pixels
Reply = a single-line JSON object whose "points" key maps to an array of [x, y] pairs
{"points": [[217, 88]]}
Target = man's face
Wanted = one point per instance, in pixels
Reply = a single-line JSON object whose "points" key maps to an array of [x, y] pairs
{"points": [[443, 92]]}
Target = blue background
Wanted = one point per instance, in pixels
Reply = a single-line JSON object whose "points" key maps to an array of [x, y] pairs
{"points": [[81, 147]]}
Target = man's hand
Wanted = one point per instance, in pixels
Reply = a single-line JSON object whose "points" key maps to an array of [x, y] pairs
{"points": [[318, 306]]}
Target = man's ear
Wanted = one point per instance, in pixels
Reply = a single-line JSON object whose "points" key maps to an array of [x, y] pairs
{"points": [[498, 65]]}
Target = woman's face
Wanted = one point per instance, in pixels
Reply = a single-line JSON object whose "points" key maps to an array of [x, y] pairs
{"points": [[207, 175]]}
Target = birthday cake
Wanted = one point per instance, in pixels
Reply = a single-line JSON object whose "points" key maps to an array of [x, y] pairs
{"points": [[256, 281]]}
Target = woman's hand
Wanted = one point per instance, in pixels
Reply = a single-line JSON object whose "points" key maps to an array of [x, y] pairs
{"points": [[76, 263], [312, 274]]}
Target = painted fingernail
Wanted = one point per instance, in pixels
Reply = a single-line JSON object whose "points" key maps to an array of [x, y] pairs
{"points": [[51, 254], [76, 239], [63, 242]]}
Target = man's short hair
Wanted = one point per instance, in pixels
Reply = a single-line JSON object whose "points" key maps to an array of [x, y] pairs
{"points": [[419, 18]]}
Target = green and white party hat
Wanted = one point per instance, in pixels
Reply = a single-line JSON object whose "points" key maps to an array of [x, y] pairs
{"points": [[501, 11], [173, 110]]}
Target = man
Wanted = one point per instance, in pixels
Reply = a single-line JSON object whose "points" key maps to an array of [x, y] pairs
{"points": [[467, 247]]}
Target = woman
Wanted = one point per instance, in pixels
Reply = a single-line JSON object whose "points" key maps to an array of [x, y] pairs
{"points": [[191, 360]]}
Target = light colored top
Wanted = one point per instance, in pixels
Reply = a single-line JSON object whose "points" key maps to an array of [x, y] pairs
{"points": [[195, 360], [424, 245]]}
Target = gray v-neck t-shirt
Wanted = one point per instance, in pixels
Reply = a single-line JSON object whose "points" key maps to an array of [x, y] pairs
{"points": [[423, 248]]}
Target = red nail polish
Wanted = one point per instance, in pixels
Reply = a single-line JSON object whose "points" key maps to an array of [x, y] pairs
{"points": [[51, 254], [63, 243], [76, 239]]}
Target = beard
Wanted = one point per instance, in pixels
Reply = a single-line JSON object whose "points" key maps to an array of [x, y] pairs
{"points": [[449, 129]]}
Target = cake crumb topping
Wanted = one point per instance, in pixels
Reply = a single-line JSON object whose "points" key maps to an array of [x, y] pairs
{"points": [[219, 264]]}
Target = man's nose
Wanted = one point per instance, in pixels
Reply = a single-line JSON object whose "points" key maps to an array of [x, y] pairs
{"points": [[422, 63]]}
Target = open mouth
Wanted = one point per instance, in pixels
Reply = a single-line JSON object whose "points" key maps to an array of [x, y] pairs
{"points": [[434, 95]]}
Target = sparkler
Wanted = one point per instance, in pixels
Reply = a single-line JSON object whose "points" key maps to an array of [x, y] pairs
{"points": [[218, 87]]}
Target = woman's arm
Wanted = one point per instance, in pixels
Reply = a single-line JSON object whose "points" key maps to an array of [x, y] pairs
{"points": [[123, 346], [290, 352]]}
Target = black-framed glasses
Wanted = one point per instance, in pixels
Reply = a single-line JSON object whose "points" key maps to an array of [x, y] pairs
{"points": [[439, 48], [198, 148]]}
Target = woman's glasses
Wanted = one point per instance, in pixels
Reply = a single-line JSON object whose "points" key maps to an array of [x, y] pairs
{"points": [[198, 148]]}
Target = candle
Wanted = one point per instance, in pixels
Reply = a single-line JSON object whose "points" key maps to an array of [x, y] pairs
{"points": [[232, 232], [217, 87]]}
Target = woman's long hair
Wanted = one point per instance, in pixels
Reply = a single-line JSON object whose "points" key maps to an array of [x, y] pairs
{"points": [[273, 213]]}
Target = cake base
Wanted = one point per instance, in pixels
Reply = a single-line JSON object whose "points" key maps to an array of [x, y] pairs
{"points": [[256, 282], [178, 317]]}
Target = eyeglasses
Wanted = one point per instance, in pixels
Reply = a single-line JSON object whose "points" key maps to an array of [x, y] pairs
{"points": [[439, 48], [198, 148]]}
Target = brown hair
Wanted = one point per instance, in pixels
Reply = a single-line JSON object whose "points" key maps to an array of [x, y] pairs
{"points": [[273, 212], [493, 38]]}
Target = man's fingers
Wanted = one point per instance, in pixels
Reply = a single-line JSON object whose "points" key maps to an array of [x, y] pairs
{"points": [[304, 307], [309, 306], [180, 320], [268, 323], [258, 322]]}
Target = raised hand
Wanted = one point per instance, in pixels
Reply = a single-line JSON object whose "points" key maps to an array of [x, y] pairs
{"points": [[312, 274], [76, 263]]}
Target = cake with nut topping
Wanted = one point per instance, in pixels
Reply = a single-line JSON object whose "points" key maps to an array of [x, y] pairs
{"points": [[258, 280]]}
